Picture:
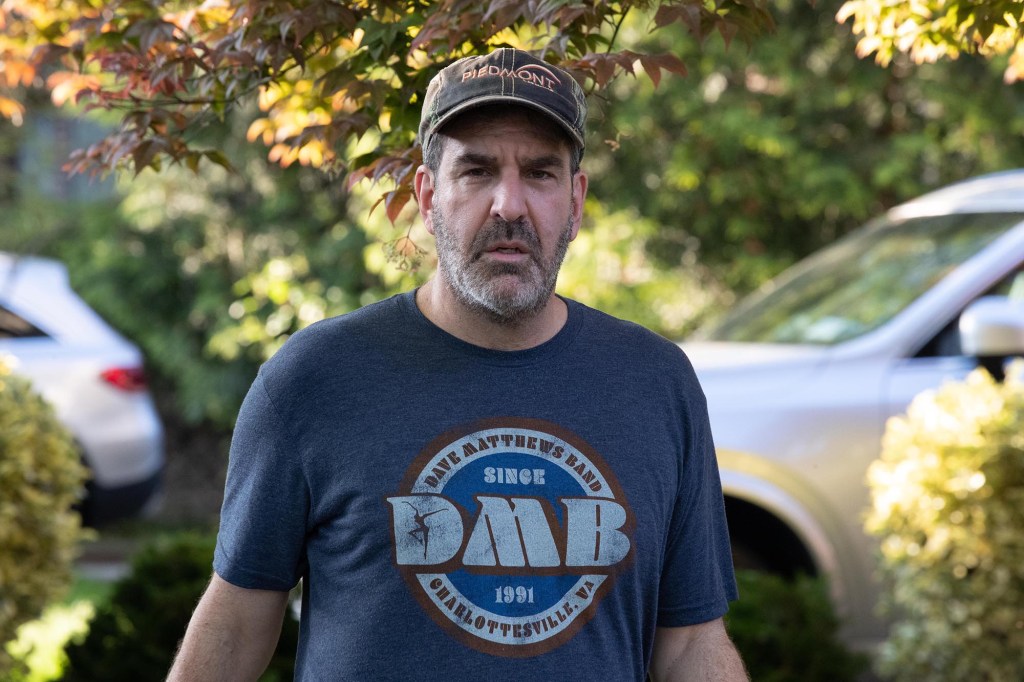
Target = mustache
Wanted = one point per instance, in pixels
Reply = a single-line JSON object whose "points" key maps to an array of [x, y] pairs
{"points": [[500, 229]]}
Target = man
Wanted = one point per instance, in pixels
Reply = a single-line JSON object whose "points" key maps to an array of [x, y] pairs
{"points": [[478, 479]]}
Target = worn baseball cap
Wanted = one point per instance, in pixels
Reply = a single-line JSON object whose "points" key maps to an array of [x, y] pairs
{"points": [[509, 76]]}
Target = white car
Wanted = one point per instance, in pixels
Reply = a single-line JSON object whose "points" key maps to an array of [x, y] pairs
{"points": [[802, 376], [92, 377]]}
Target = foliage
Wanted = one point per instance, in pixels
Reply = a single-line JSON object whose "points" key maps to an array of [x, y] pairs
{"points": [[932, 29], [41, 477], [210, 273], [787, 630], [948, 505], [41, 642], [610, 267], [757, 158], [326, 73], [135, 635]]}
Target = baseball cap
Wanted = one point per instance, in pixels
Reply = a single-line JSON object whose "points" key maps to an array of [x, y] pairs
{"points": [[506, 75]]}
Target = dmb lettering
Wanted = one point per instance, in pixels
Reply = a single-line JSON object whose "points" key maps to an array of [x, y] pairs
{"points": [[509, 532]]}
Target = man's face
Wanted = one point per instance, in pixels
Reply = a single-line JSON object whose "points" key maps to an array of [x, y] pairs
{"points": [[503, 207]]}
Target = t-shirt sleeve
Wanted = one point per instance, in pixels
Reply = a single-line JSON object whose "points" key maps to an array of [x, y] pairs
{"points": [[261, 541], [697, 577]]}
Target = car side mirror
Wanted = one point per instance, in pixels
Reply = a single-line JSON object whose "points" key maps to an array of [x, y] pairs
{"points": [[992, 330]]}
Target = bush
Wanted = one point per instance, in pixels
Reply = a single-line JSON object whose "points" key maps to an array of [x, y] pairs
{"points": [[948, 505], [135, 635], [787, 630], [41, 478]]}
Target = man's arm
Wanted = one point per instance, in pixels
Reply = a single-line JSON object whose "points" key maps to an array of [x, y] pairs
{"points": [[232, 634], [696, 653]]}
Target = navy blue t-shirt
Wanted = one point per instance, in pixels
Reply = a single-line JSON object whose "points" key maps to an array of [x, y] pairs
{"points": [[457, 513]]}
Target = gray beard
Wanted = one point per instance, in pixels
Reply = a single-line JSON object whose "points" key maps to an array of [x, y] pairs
{"points": [[473, 281]]}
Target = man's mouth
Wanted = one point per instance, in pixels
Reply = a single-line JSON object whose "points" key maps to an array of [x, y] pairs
{"points": [[507, 250]]}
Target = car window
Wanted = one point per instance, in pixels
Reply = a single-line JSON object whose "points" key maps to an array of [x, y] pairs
{"points": [[13, 326], [861, 281]]}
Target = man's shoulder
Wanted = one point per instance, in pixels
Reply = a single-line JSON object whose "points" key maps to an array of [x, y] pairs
{"points": [[601, 327], [344, 337], [369, 319], [621, 346]]}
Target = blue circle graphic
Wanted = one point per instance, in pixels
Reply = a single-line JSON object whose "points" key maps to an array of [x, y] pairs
{"points": [[514, 595]]}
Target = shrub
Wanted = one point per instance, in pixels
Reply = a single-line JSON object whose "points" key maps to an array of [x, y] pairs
{"points": [[948, 505], [41, 478], [135, 635], [787, 630]]}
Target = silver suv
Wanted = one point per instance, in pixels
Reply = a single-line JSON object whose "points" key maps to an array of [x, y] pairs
{"points": [[802, 376], [93, 378]]}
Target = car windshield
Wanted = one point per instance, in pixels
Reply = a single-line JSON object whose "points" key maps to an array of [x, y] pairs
{"points": [[860, 282]]}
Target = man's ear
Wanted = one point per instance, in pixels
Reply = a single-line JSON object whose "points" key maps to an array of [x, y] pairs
{"points": [[424, 187], [579, 196]]}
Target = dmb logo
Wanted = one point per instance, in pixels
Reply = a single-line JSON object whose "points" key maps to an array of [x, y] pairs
{"points": [[509, 533]]}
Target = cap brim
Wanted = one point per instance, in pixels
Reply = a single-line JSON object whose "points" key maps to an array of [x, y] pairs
{"points": [[574, 135]]}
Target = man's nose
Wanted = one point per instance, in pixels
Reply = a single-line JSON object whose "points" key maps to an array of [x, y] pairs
{"points": [[509, 200]]}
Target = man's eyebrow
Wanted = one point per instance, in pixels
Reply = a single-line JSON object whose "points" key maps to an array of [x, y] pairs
{"points": [[545, 161], [475, 159], [479, 159]]}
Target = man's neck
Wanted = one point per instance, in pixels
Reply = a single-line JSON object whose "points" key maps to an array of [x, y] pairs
{"points": [[439, 305]]}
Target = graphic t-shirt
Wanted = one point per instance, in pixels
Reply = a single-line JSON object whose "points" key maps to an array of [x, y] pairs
{"points": [[457, 513]]}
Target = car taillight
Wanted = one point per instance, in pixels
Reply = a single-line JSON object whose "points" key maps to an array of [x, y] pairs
{"points": [[125, 378]]}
